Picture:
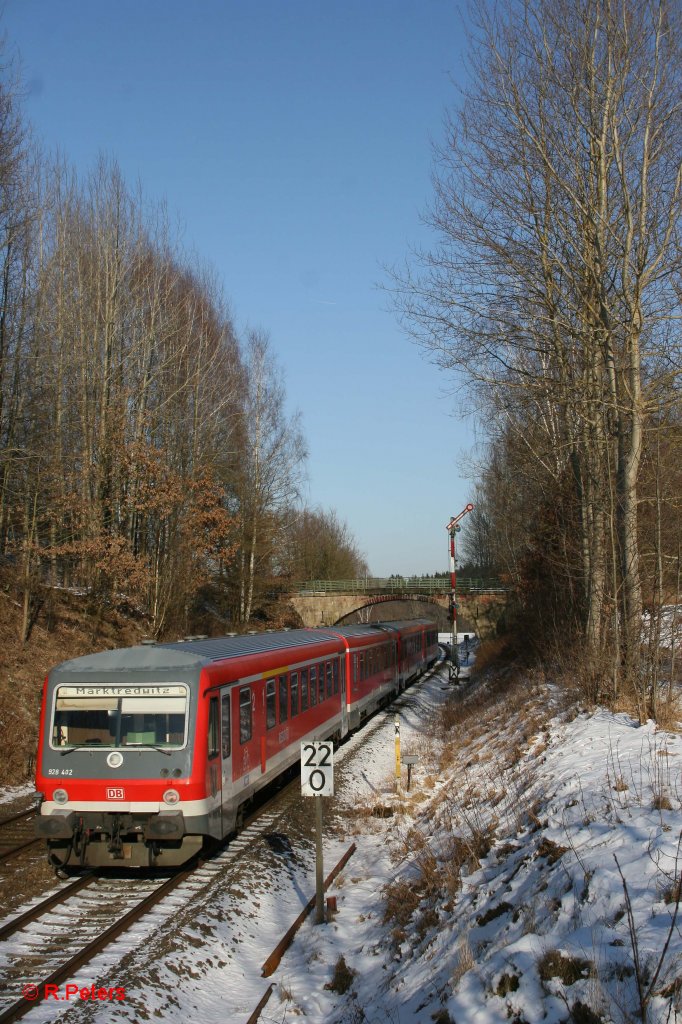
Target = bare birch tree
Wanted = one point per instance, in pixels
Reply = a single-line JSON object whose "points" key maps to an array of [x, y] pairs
{"points": [[551, 287], [269, 467]]}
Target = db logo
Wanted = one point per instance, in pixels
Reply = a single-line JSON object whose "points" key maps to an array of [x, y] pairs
{"points": [[116, 794]]}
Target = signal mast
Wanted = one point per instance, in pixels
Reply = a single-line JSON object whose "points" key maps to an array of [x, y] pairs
{"points": [[453, 528]]}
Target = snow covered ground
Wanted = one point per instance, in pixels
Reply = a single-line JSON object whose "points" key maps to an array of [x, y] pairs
{"points": [[531, 874], [537, 882]]}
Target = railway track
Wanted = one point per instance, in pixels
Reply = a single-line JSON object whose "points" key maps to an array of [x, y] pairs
{"points": [[98, 909], [48, 944], [102, 909], [16, 834]]}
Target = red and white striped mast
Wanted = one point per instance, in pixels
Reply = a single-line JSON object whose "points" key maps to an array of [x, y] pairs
{"points": [[453, 527]]}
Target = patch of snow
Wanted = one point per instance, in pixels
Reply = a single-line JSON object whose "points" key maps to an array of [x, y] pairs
{"points": [[10, 793]]}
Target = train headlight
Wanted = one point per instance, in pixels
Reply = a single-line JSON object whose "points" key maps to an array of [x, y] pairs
{"points": [[60, 796], [171, 796]]}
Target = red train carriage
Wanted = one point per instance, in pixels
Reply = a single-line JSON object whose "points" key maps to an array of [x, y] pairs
{"points": [[146, 751], [417, 647], [371, 669]]}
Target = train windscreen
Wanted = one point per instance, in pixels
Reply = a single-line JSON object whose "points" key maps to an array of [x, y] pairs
{"points": [[128, 716]]}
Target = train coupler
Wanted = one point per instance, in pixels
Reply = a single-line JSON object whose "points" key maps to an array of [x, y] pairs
{"points": [[115, 844]]}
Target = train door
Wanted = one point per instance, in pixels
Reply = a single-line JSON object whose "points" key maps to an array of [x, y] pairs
{"points": [[214, 775], [226, 757]]}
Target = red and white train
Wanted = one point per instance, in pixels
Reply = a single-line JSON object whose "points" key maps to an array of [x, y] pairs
{"points": [[145, 752]]}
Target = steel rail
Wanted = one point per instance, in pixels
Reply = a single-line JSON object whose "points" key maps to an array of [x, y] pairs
{"points": [[33, 913], [22, 1006], [24, 844], [275, 958], [20, 814], [17, 849]]}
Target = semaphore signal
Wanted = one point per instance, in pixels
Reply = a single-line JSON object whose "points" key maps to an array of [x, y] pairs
{"points": [[453, 528]]}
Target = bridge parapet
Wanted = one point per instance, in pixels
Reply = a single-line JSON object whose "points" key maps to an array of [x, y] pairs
{"points": [[400, 585]]}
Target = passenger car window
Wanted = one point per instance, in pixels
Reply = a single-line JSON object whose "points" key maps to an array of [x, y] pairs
{"points": [[270, 704], [283, 698], [313, 688], [213, 730], [225, 724], [245, 715]]}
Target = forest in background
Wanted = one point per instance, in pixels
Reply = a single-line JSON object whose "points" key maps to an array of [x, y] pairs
{"points": [[146, 451], [147, 456], [551, 293]]}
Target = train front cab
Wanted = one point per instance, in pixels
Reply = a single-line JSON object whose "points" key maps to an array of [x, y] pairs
{"points": [[115, 760]]}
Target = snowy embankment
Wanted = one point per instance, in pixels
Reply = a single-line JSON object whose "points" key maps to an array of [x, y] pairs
{"points": [[532, 875]]}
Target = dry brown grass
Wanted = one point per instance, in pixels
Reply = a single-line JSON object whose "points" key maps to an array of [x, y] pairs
{"points": [[433, 878], [491, 735], [342, 978], [494, 652], [569, 969], [669, 715], [465, 962], [401, 899]]}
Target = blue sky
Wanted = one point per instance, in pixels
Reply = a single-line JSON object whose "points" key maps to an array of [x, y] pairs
{"points": [[291, 140]]}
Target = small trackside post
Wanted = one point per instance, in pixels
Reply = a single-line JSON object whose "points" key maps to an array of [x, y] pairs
{"points": [[397, 754], [319, 864]]}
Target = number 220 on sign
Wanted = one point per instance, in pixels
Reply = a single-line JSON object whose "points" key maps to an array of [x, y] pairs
{"points": [[317, 768]]}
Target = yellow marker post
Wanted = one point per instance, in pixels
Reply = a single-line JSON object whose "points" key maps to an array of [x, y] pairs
{"points": [[397, 754]]}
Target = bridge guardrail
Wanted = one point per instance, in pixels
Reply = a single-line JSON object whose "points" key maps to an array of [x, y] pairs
{"points": [[400, 585]]}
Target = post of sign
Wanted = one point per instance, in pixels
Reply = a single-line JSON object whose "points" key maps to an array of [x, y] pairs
{"points": [[397, 754], [453, 528], [319, 863], [317, 780]]}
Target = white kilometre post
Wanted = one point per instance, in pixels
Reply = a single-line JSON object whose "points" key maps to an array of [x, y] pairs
{"points": [[317, 780], [453, 528]]}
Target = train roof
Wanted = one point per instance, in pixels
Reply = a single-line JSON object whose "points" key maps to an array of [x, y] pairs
{"points": [[194, 653], [190, 653], [258, 643], [358, 629], [221, 647]]}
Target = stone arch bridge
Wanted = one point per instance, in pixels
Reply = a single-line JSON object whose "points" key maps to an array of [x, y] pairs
{"points": [[480, 602]]}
